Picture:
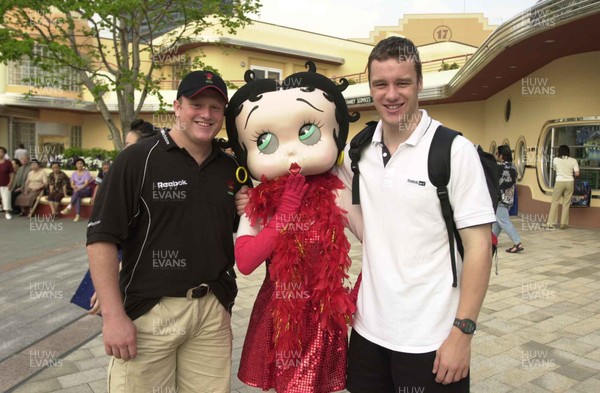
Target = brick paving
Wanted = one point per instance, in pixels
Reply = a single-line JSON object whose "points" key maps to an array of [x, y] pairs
{"points": [[539, 329]]}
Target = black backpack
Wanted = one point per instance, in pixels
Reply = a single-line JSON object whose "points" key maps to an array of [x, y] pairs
{"points": [[438, 168]]}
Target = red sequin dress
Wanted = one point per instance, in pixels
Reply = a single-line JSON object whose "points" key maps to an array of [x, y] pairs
{"points": [[297, 334]]}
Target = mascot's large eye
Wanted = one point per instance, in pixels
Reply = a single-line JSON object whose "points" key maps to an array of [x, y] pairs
{"points": [[309, 134], [267, 143]]}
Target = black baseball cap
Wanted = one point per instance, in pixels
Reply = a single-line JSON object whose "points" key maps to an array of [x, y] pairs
{"points": [[197, 81]]}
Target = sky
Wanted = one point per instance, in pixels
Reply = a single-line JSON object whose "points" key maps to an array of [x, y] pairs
{"points": [[356, 18]]}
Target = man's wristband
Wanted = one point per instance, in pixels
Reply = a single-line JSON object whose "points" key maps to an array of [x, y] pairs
{"points": [[466, 326]]}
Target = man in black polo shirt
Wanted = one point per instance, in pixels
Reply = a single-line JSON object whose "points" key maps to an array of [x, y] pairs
{"points": [[169, 203]]}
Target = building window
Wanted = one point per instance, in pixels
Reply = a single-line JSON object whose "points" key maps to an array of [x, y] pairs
{"points": [[26, 73], [520, 157], [75, 136], [24, 132], [583, 139], [179, 70], [266, 73]]}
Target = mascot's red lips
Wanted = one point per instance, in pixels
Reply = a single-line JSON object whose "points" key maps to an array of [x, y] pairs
{"points": [[295, 169]]}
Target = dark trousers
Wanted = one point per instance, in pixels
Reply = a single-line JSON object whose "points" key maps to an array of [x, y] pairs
{"points": [[375, 369], [13, 199]]}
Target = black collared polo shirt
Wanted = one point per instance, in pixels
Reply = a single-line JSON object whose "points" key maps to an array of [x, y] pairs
{"points": [[173, 219]]}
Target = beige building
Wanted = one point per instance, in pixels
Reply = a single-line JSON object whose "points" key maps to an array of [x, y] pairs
{"points": [[531, 82]]}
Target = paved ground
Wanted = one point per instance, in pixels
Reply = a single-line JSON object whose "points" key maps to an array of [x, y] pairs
{"points": [[539, 330]]}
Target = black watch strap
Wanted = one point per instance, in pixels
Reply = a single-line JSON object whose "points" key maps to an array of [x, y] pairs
{"points": [[466, 326]]}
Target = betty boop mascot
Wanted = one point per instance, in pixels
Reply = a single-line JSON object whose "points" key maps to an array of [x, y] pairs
{"points": [[290, 135]]}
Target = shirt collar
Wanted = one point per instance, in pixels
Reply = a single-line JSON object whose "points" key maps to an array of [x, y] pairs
{"points": [[167, 141]]}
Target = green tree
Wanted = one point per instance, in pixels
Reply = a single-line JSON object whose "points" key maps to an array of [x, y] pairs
{"points": [[105, 42]]}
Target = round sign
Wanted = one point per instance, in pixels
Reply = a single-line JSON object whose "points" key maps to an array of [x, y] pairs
{"points": [[442, 33]]}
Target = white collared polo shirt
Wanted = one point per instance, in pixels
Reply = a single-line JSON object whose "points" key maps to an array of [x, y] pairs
{"points": [[406, 302]]}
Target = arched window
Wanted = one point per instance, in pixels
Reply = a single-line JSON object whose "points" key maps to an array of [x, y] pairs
{"points": [[520, 158], [582, 135]]}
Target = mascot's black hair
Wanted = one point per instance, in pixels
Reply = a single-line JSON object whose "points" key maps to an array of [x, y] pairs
{"points": [[254, 88]]}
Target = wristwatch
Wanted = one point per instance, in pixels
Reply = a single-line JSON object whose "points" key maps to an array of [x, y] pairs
{"points": [[466, 326]]}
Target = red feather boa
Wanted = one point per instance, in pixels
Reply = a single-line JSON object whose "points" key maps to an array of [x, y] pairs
{"points": [[310, 259]]}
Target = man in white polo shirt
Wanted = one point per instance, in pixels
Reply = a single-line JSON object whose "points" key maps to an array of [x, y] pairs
{"points": [[413, 330]]}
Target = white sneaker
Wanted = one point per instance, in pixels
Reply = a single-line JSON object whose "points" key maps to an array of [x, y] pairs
{"points": [[8, 216], [76, 218], [66, 210]]}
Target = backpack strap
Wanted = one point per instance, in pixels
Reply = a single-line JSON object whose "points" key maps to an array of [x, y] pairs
{"points": [[357, 144], [438, 168]]}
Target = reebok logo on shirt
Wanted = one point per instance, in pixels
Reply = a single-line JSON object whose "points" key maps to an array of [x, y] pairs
{"points": [[167, 191], [416, 182], [169, 184]]}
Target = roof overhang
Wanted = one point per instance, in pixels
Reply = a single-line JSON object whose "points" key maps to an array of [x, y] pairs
{"points": [[12, 101], [257, 47], [540, 35], [546, 32]]}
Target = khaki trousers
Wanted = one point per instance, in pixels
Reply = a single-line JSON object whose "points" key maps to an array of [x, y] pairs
{"points": [[183, 346], [564, 190]]}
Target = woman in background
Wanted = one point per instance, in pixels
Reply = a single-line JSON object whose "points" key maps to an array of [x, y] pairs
{"points": [[57, 187], [567, 170], [80, 183], [35, 183], [139, 130], [508, 178]]}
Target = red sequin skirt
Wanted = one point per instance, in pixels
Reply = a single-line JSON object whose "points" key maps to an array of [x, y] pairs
{"points": [[319, 367]]}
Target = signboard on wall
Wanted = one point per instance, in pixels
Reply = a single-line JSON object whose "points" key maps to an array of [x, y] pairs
{"points": [[359, 100]]}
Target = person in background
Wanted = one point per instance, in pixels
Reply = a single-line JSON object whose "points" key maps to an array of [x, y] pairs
{"points": [[16, 163], [20, 152], [18, 184], [98, 180], [7, 176], [508, 178], [34, 185], [57, 187], [80, 183], [139, 130], [567, 170]]}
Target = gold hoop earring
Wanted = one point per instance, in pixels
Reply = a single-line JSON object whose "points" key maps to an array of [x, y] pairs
{"points": [[237, 175], [340, 159]]}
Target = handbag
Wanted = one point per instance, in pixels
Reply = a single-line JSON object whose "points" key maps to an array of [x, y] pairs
{"points": [[582, 194]]}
